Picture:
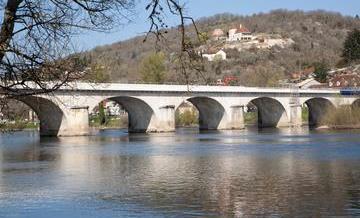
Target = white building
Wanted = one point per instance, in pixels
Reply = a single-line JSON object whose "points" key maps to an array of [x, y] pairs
{"points": [[241, 34], [308, 83], [114, 109], [220, 55]]}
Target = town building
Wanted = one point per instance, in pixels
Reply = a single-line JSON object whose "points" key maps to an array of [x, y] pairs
{"points": [[114, 109], [239, 34], [308, 83], [345, 80], [218, 34], [212, 55]]}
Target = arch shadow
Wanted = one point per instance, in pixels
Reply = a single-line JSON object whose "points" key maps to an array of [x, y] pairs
{"points": [[270, 111], [356, 103], [318, 108], [49, 114], [139, 113], [211, 112]]}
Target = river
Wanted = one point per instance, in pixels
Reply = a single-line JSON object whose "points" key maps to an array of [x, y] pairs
{"points": [[249, 173]]}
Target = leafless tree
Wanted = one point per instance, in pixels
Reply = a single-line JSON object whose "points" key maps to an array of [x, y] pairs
{"points": [[35, 37]]}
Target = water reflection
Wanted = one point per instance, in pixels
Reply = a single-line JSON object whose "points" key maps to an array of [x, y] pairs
{"points": [[234, 173]]}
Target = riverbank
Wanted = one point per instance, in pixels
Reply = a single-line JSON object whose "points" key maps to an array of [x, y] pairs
{"points": [[18, 126], [343, 117]]}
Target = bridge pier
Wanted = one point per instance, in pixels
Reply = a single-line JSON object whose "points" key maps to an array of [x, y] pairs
{"points": [[295, 115], [236, 118], [164, 119], [75, 122]]}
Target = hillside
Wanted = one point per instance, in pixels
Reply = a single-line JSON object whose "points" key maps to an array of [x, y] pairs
{"points": [[318, 36]]}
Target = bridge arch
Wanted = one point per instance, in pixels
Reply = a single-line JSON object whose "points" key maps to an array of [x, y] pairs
{"points": [[271, 113], [139, 113], [318, 107], [49, 114], [356, 103], [211, 112]]}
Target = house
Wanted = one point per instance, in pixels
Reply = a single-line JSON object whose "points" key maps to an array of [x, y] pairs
{"points": [[211, 56], [345, 80], [111, 108], [218, 34], [239, 34], [114, 109], [308, 83]]}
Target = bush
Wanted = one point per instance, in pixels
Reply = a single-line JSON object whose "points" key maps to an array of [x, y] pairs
{"points": [[188, 118]]}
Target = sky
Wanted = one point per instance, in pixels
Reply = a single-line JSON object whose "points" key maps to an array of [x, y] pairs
{"points": [[205, 8]]}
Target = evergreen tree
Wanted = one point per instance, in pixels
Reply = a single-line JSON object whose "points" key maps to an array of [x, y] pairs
{"points": [[351, 50], [321, 72], [102, 116]]}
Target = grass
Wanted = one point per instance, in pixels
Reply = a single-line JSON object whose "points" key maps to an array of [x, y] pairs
{"points": [[342, 117], [19, 125], [111, 122], [250, 118], [305, 114]]}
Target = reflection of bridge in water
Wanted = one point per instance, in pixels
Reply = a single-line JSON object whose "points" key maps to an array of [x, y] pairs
{"points": [[243, 179], [151, 108]]}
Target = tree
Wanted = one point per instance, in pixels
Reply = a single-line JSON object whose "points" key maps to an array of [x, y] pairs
{"points": [[351, 50], [96, 73], [102, 115], [152, 68], [321, 72], [36, 36], [262, 75]]}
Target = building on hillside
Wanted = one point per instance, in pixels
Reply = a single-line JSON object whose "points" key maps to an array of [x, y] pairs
{"points": [[114, 109], [308, 83], [227, 81], [218, 34], [239, 34], [111, 108], [212, 55], [345, 80]]}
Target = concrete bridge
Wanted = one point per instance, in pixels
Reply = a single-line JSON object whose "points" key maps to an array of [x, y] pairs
{"points": [[151, 108]]}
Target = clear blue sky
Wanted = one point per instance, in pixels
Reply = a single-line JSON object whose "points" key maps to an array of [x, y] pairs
{"points": [[204, 8]]}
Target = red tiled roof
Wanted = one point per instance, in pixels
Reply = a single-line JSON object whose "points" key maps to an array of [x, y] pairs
{"points": [[346, 80], [243, 30]]}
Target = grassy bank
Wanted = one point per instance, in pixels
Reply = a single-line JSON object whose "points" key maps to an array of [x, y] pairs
{"points": [[18, 125], [342, 117], [109, 122]]}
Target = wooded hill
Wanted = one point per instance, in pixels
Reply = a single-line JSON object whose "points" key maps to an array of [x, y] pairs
{"points": [[318, 36]]}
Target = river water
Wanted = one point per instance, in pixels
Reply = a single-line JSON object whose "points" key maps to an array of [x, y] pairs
{"points": [[286, 173]]}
